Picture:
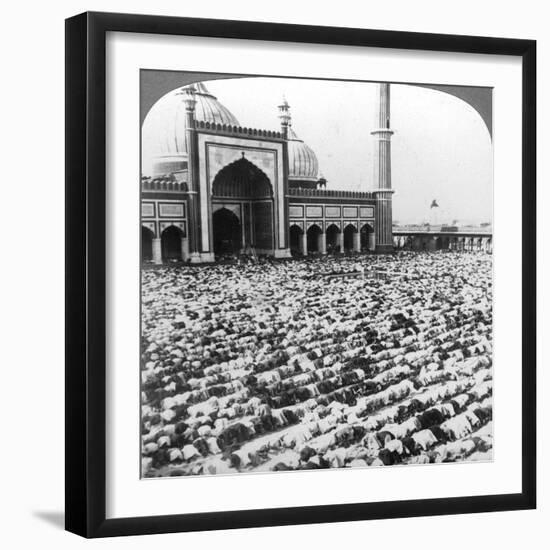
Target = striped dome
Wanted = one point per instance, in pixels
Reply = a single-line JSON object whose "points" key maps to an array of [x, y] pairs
{"points": [[164, 128], [302, 161]]}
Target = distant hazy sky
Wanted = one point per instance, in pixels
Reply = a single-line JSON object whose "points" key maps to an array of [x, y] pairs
{"points": [[441, 148]]}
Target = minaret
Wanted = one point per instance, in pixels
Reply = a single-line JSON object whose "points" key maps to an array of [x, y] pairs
{"points": [[284, 115], [193, 212], [382, 171]]}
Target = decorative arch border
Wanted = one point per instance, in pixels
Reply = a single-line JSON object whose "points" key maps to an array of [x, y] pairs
{"points": [[233, 165], [477, 97], [151, 226], [178, 225], [234, 208], [317, 224], [298, 224], [154, 88], [369, 224]]}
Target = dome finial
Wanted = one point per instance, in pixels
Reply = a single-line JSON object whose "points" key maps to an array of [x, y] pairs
{"points": [[303, 167]]}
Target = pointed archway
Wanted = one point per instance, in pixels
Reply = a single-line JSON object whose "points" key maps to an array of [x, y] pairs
{"points": [[333, 238], [367, 237], [243, 185], [171, 244], [349, 235], [313, 235], [296, 238], [242, 178]]}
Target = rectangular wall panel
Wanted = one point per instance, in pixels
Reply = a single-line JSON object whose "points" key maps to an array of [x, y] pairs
{"points": [[296, 211], [350, 212], [367, 212], [169, 210], [332, 211], [147, 210], [314, 211]]}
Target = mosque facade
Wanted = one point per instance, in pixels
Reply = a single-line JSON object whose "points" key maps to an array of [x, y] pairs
{"points": [[218, 188]]}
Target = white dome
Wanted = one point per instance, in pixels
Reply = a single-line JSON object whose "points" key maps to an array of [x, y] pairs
{"points": [[164, 128], [302, 161]]}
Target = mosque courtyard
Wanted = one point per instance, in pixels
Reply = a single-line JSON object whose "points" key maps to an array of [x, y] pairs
{"points": [[348, 361]]}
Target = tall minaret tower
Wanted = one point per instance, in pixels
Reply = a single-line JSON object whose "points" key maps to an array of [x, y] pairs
{"points": [[193, 205], [382, 171], [284, 116]]}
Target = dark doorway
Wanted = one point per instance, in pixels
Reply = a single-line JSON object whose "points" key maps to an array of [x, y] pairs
{"points": [[263, 226], [171, 244], [366, 237], [227, 232], [296, 239], [349, 231], [332, 239], [146, 245], [313, 238]]}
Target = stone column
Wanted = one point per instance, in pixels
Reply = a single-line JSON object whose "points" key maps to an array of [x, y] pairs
{"points": [[184, 249], [157, 251], [340, 242], [304, 243], [322, 243], [382, 171], [357, 242], [372, 241], [193, 201]]}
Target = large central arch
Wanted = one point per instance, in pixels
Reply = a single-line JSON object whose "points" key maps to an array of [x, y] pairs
{"points": [[242, 187], [242, 178]]}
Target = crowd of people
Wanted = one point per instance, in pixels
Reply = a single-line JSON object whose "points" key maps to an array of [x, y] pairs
{"points": [[317, 363]]}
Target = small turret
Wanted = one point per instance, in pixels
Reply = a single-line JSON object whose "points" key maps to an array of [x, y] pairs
{"points": [[284, 116]]}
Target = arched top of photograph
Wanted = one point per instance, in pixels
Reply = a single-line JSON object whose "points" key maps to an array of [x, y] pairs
{"points": [[296, 319]]}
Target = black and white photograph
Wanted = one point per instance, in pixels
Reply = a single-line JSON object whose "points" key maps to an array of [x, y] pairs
{"points": [[274, 274], [316, 274]]}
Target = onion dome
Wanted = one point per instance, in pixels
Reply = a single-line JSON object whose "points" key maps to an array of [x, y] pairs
{"points": [[164, 128], [303, 167], [302, 161]]}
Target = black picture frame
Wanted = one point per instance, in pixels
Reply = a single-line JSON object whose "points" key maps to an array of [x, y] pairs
{"points": [[86, 275]]}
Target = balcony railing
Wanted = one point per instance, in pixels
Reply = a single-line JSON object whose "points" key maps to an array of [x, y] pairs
{"points": [[330, 193]]}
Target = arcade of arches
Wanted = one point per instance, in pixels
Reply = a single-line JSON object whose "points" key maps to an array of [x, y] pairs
{"points": [[170, 247], [331, 241], [230, 237], [444, 242]]}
